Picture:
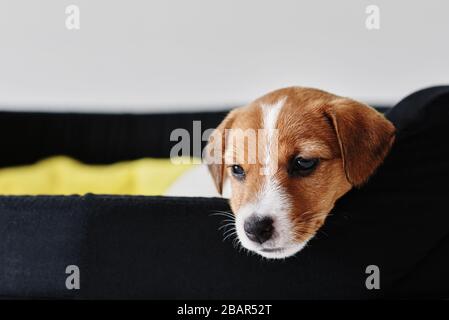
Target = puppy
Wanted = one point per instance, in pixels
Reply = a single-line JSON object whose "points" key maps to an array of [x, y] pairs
{"points": [[289, 156]]}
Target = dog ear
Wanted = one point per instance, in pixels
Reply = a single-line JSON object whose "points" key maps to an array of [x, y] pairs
{"points": [[365, 137], [215, 150]]}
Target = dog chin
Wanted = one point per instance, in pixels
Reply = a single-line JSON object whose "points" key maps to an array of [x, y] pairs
{"points": [[279, 253]]}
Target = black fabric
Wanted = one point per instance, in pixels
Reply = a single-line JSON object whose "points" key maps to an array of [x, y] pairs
{"points": [[160, 247], [94, 138]]}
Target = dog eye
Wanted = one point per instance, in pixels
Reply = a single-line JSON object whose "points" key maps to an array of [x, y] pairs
{"points": [[302, 167], [237, 171]]}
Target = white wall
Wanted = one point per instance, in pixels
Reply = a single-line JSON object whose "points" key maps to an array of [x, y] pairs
{"points": [[165, 54]]}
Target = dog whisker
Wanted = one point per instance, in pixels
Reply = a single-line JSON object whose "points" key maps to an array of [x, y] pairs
{"points": [[221, 211], [227, 221], [225, 226], [230, 230], [223, 214], [230, 235]]}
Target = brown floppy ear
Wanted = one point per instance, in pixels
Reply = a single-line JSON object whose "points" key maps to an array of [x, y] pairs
{"points": [[215, 150], [365, 137]]}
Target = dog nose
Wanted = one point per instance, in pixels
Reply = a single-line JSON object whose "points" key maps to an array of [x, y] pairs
{"points": [[259, 229]]}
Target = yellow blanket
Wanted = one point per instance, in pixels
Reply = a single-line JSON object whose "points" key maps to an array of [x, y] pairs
{"points": [[62, 175]]}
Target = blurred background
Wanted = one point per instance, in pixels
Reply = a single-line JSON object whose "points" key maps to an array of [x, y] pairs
{"points": [[167, 55]]}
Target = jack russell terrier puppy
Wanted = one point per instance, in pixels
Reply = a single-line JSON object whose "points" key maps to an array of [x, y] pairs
{"points": [[289, 156]]}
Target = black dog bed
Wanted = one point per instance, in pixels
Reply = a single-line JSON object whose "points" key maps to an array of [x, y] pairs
{"points": [[161, 247]]}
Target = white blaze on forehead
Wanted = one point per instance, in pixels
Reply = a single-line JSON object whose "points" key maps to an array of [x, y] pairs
{"points": [[270, 117], [272, 198]]}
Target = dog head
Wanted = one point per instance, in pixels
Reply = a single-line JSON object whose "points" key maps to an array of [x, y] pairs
{"points": [[289, 156]]}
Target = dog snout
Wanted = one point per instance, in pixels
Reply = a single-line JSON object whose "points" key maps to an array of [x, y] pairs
{"points": [[259, 229]]}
